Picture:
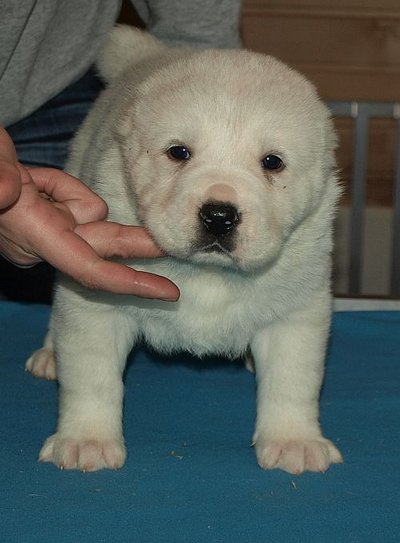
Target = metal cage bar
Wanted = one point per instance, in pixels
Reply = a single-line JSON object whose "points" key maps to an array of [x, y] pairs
{"points": [[358, 192], [361, 112]]}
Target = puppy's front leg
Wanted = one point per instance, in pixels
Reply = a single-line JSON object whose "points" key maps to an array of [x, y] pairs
{"points": [[289, 361], [91, 350]]}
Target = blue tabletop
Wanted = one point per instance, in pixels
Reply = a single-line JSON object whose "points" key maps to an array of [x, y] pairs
{"points": [[191, 475]]}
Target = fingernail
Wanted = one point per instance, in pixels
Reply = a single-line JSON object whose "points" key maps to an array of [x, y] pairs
{"points": [[169, 299]]}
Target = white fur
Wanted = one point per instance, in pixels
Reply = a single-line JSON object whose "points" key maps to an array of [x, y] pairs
{"points": [[270, 293]]}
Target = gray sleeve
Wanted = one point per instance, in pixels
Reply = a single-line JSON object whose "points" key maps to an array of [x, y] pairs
{"points": [[201, 23]]}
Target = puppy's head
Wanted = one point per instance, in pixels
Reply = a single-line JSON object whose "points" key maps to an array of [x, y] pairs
{"points": [[227, 153]]}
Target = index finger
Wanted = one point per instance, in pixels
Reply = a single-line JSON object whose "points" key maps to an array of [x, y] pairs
{"points": [[110, 239]]}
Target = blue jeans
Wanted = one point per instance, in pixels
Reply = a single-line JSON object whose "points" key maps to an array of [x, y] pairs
{"points": [[42, 139]]}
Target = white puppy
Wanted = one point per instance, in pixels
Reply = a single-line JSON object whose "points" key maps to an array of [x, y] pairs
{"points": [[227, 158]]}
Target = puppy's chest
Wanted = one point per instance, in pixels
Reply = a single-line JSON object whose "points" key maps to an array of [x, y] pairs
{"points": [[201, 325]]}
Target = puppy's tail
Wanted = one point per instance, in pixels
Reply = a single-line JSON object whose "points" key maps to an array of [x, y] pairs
{"points": [[125, 45]]}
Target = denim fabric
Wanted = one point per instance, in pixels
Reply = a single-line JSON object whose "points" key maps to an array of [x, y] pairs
{"points": [[42, 138]]}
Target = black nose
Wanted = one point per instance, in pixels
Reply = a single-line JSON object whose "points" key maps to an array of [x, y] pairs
{"points": [[219, 218]]}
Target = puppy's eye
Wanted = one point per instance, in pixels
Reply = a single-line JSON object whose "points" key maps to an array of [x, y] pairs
{"points": [[272, 162], [179, 152]]}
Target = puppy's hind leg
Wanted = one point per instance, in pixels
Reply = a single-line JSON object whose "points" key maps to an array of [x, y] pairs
{"points": [[92, 344], [42, 362], [289, 360]]}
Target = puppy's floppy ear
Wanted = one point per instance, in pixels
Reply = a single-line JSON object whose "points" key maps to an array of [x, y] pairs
{"points": [[124, 46]]}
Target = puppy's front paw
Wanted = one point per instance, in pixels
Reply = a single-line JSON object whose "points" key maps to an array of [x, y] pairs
{"points": [[83, 454], [297, 456], [42, 364]]}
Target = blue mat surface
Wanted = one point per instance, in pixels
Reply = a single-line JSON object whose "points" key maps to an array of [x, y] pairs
{"points": [[191, 475]]}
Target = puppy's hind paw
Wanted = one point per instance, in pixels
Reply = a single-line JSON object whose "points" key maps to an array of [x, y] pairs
{"points": [[42, 364], [297, 456], [83, 454]]}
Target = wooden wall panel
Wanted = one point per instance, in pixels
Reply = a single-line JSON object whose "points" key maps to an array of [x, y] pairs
{"points": [[350, 49]]}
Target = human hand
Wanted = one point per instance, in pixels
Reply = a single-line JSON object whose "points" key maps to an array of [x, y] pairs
{"points": [[46, 214]]}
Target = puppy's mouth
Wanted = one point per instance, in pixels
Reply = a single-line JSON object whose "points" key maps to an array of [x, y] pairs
{"points": [[215, 247], [215, 253]]}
